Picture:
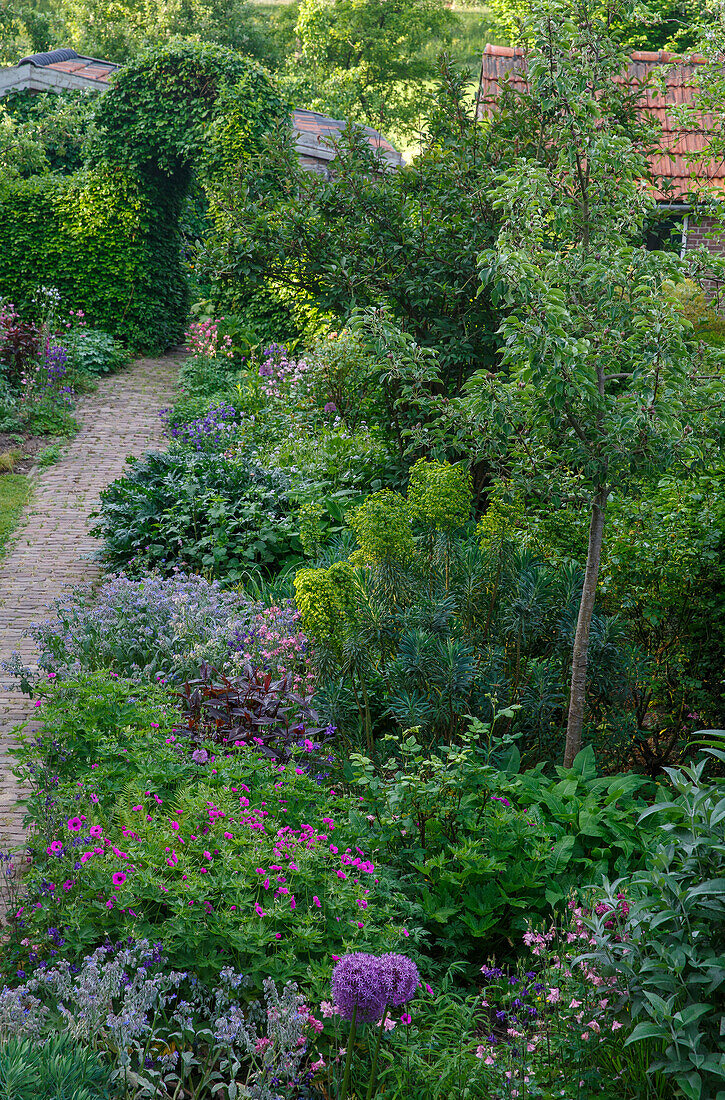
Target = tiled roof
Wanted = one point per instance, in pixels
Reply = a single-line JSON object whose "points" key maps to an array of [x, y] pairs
{"points": [[68, 61], [501, 63], [320, 126]]}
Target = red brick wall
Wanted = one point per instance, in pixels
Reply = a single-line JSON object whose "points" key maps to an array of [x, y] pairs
{"points": [[702, 232]]}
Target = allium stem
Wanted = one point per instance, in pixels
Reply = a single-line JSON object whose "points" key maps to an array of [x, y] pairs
{"points": [[374, 1070], [348, 1059]]}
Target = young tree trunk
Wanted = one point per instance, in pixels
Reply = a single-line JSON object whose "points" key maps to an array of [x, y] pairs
{"points": [[580, 656]]}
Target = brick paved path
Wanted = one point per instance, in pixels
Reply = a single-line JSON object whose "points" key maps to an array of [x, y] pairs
{"points": [[52, 547]]}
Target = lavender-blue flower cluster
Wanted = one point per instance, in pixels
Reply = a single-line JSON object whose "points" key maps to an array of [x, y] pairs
{"points": [[152, 628], [211, 432]]}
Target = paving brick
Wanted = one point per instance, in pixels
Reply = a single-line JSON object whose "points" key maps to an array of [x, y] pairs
{"points": [[52, 550]]}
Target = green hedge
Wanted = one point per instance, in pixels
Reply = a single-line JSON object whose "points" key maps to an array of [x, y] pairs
{"points": [[108, 243]]}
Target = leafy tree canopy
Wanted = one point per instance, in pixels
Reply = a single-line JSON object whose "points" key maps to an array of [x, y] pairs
{"points": [[366, 59], [647, 25], [24, 28], [118, 29]]}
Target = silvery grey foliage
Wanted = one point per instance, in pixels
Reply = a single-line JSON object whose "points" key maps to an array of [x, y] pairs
{"points": [[152, 628], [122, 1000], [112, 998]]}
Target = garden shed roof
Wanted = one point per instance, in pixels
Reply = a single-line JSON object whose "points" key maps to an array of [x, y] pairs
{"points": [[56, 71], [645, 72], [65, 69]]}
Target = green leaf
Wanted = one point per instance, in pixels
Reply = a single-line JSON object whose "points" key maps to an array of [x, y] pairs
{"points": [[560, 855], [585, 763], [646, 1030]]}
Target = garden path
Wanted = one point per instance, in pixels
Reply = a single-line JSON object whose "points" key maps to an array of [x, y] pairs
{"points": [[52, 548]]}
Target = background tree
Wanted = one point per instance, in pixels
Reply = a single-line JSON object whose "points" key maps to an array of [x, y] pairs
{"points": [[407, 240], [118, 29], [661, 25], [24, 28], [367, 59], [602, 380]]}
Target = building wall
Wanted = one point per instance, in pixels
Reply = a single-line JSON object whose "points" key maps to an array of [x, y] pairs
{"points": [[705, 231]]}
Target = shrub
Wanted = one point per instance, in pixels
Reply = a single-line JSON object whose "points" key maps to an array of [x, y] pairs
{"points": [[671, 958], [204, 513], [92, 351], [484, 850], [429, 641], [324, 239]]}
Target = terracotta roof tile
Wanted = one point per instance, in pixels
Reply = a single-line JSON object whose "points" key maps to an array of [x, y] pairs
{"points": [[504, 64], [320, 126]]}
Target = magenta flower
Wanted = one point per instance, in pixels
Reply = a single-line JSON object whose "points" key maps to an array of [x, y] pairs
{"points": [[119, 878], [56, 846], [75, 824], [96, 830]]}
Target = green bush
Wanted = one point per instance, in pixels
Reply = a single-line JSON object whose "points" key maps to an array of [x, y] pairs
{"points": [[56, 1069], [485, 851], [671, 959], [102, 240], [204, 512], [93, 351]]}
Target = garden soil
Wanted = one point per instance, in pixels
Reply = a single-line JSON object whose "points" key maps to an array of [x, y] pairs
{"points": [[52, 550]]}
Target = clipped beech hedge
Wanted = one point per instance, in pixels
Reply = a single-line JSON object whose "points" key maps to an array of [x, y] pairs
{"points": [[109, 244]]}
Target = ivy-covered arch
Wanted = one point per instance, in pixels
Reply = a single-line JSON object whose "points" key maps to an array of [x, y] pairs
{"points": [[171, 113]]}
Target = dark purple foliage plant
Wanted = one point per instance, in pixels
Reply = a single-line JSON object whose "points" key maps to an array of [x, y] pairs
{"points": [[253, 709]]}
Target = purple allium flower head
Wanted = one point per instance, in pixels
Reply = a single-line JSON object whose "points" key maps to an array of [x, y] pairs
{"points": [[200, 756], [356, 984], [330, 407], [399, 978]]}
